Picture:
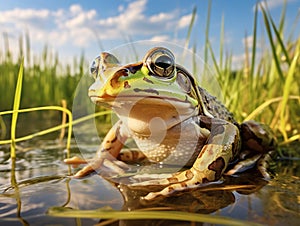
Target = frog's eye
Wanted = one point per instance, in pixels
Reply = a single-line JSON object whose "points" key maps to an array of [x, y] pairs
{"points": [[184, 82], [101, 63], [94, 68], [160, 62]]}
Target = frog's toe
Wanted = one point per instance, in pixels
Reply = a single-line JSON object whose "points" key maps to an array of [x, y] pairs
{"points": [[169, 190], [103, 167], [175, 178], [89, 169], [86, 171], [156, 182], [114, 167], [75, 161]]}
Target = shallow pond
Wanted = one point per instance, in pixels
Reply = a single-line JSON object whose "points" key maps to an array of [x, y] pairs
{"points": [[38, 183]]}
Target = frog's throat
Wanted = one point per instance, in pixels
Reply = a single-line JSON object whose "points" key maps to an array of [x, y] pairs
{"points": [[143, 115]]}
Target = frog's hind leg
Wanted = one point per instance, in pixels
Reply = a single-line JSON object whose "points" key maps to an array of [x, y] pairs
{"points": [[258, 148], [130, 156], [244, 165], [261, 161], [257, 138], [203, 171], [210, 164]]}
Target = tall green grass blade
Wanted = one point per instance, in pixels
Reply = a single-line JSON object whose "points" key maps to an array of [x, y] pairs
{"points": [[8, 55], [273, 47], [55, 128], [206, 49], [282, 17], [28, 52], [16, 106], [266, 104], [279, 33], [222, 33], [191, 25], [286, 92], [246, 61], [145, 214], [195, 62], [216, 65], [2, 128], [252, 68]]}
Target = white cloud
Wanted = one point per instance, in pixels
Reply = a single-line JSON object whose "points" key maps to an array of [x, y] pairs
{"points": [[249, 42], [161, 17], [272, 4], [160, 38], [75, 9], [185, 21], [77, 27], [24, 14], [239, 59], [120, 8]]}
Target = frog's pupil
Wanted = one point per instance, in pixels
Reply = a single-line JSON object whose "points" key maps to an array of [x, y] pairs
{"points": [[93, 68], [163, 62]]}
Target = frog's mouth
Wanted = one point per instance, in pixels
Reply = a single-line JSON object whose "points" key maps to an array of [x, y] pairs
{"points": [[130, 100], [138, 112], [145, 103], [132, 96]]}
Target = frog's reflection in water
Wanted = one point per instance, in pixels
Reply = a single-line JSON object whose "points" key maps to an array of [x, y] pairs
{"points": [[205, 199]]}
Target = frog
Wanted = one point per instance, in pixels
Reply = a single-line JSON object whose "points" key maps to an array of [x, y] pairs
{"points": [[173, 120]]}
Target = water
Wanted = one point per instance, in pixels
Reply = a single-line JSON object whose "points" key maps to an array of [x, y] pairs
{"points": [[39, 183]]}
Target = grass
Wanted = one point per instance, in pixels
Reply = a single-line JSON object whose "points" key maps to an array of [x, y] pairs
{"points": [[16, 111], [159, 214], [46, 80], [268, 85]]}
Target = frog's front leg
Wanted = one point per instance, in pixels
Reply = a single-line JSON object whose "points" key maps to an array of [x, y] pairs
{"points": [[221, 147], [106, 159]]}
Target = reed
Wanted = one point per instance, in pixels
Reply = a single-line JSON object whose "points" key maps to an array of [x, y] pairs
{"points": [[46, 80], [15, 111], [266, 88]]}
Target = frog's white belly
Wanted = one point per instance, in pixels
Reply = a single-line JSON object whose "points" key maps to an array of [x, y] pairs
{"points": [[179, 145]]}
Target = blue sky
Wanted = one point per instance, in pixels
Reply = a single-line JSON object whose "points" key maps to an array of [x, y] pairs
{"points": [[71, 27]]}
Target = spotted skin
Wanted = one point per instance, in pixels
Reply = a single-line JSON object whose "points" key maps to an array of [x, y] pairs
{"points": [[109, 151], [157, 88], [210, 163]]}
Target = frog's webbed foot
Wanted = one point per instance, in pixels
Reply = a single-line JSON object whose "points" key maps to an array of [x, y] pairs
{"points": [[105, 166], [244, 165], [262, 162], [177, 182]]}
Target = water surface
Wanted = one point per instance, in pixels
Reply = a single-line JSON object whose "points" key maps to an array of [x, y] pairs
{"points": [[39, 181]]}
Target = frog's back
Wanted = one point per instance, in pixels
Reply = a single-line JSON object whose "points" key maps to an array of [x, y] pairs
{"points": [[215, 107]]}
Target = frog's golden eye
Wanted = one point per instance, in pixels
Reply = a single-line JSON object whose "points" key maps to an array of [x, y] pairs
{"points": [[160, 62], [94, 68]]}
